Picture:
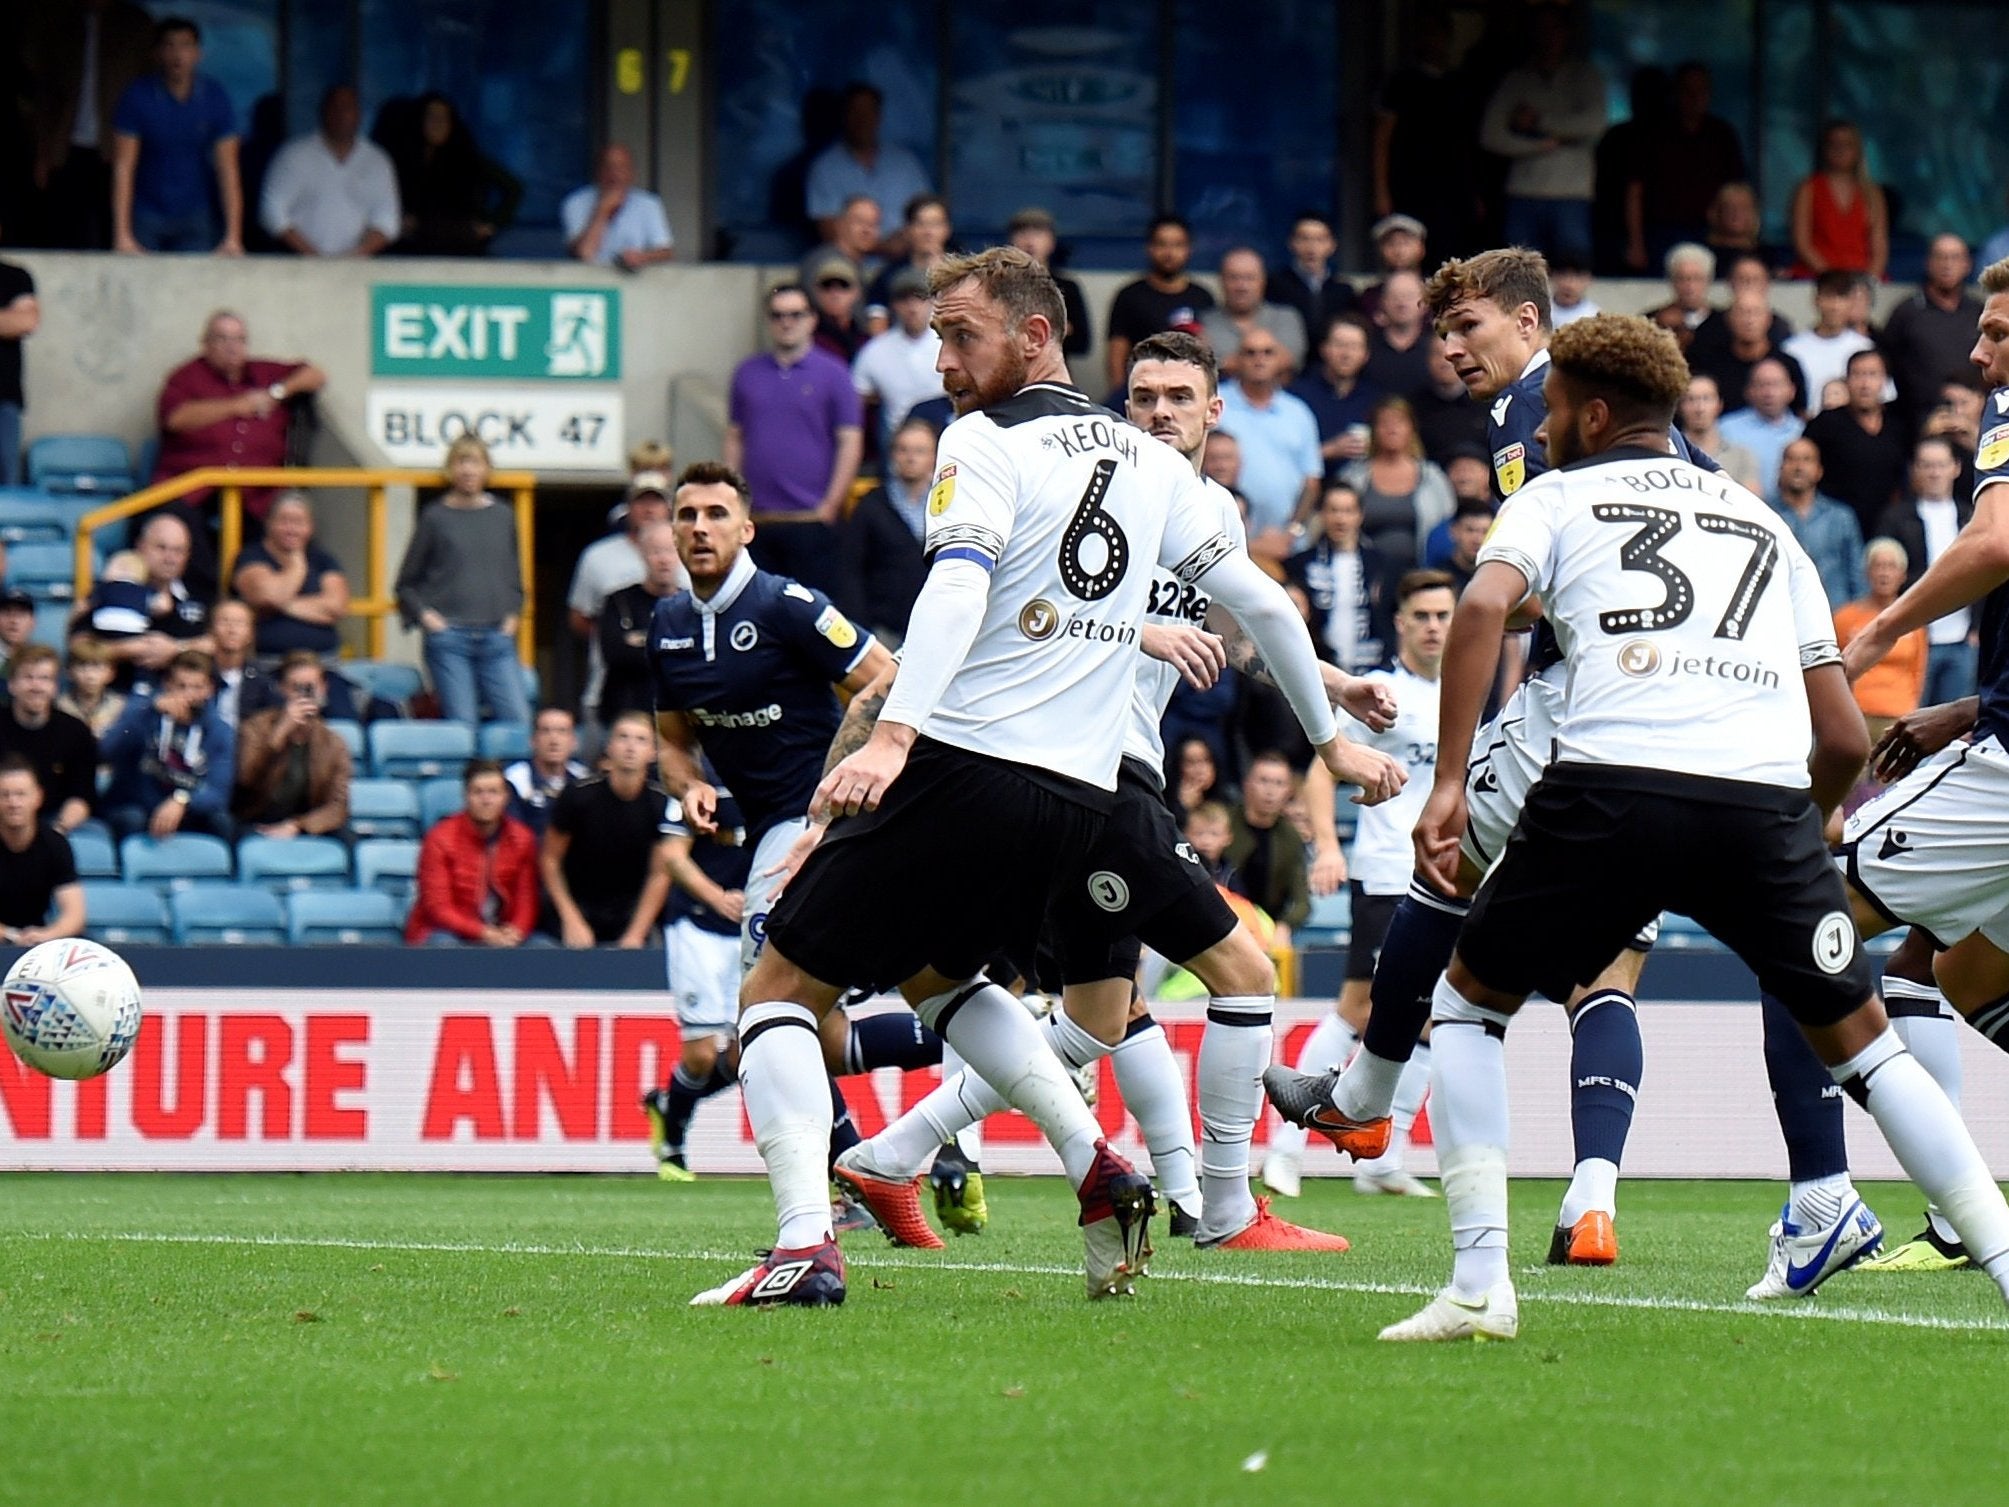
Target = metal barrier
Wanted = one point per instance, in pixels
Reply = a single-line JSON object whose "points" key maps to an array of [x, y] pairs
{"points": [[376, 602]]}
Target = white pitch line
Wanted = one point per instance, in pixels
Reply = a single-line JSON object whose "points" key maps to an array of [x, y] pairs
{"points": [[1813, 1310]]}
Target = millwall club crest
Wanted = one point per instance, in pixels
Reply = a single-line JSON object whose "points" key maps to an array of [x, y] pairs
{"points": [[1510, 468]]}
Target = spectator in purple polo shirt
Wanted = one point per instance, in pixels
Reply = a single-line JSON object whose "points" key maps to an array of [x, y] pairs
{"points": [[795, 431]]}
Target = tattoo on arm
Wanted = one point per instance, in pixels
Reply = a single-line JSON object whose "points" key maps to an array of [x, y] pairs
{"points": [[1243, 655], [859, 720]]}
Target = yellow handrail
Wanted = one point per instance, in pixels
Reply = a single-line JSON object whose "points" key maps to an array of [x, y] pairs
{"points": [[377, 603]]}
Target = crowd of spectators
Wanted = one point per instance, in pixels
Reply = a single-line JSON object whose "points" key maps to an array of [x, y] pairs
{"points": [[187, 702]]}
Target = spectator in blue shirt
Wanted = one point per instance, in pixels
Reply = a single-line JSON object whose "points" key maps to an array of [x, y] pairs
{"points": [[1827, 530], [175, 185], [1767, 423], [858, 162], [1281, 466], [610, 222]]}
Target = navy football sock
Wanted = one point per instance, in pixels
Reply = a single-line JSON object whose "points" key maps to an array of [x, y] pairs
{"points": [[1422, 935], [1605, 1066], [1805, 1098], [893, 1039], [680, 1101], [843, 1134]]}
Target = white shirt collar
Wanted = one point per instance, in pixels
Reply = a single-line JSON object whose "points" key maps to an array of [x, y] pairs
{"points": [[1536, 362], [729, 589]]}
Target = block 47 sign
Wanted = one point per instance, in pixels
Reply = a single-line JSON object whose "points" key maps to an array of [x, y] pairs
{"points": [[484, 333]]}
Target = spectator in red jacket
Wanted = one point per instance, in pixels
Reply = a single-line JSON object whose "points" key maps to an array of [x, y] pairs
{"points": [[477, 871]]}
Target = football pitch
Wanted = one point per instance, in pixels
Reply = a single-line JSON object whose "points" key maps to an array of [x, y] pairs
{"points": [[367, 1338]]}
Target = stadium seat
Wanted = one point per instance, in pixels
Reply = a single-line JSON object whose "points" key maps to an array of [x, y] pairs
{"points": [[388, 864], [46, 568], [419, 750], [232, 913], [1330, 915], [351, 734], [175, 862], [115, 912], [343, 916], [438, 798], [28, 515], [383, 808], [376, 677], [507, 741], [52, 624], [293, 863], [95, 855], [95, 463]]}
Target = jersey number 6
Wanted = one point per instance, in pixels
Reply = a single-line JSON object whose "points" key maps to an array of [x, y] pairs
{"points": [[1642, 552], [1090, 521]]}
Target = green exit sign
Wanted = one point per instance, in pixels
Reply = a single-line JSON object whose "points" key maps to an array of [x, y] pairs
{"points": [[495, 333]]}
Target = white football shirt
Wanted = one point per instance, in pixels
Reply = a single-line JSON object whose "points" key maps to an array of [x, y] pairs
{"points": [[1686, 612], [1383, 857], [1172, 602], [1070, 508]]}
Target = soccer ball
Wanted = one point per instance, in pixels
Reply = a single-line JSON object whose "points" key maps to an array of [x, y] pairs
{"points": [[70, 1008]]}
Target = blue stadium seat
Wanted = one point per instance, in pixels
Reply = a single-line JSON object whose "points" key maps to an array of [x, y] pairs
{"points": [[29, 515], [383, 808], [388, 864], [345, 916], [116, 913], [47, 568], [351, 734], [439, 798], [1330, 916], [95, 463], [149, 456], [293, 863], [233, 913], [507, 741], [95, 855], [376, 677], [419, 750], [52, 624], [174, 862]]}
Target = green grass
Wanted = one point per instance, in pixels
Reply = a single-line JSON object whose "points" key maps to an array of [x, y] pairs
{"points": [[362, 1339]]}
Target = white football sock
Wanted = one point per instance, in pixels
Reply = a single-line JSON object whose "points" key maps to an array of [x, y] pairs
{"points": [[1933, 1147], [1933, 1039], [970, 1139], [1410, 1090], [786, 1092], [1154, 1090], [1816, 1205], [1594, 1185], [1468, 1089], [1234, 1050], [1328, 1046], [1368, 1088], [1008, 1050]]}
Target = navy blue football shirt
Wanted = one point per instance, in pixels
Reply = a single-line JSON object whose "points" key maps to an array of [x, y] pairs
{"points": [[1991, 465], [753, 669]]}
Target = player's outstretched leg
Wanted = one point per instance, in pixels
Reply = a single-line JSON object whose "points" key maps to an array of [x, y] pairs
{"points": [[1606, 1061], [1824, 1226], [1930, 1031], [1326, 1050], [786, 1094], [1154, 1091], [882, 1172], [1469, 1119], [1930, 1142], [891, 1038], [1389, 1172], [1352, 1108]]}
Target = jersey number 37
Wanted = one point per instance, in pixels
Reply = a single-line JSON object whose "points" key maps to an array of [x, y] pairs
{"points": [[1642, 553]]}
